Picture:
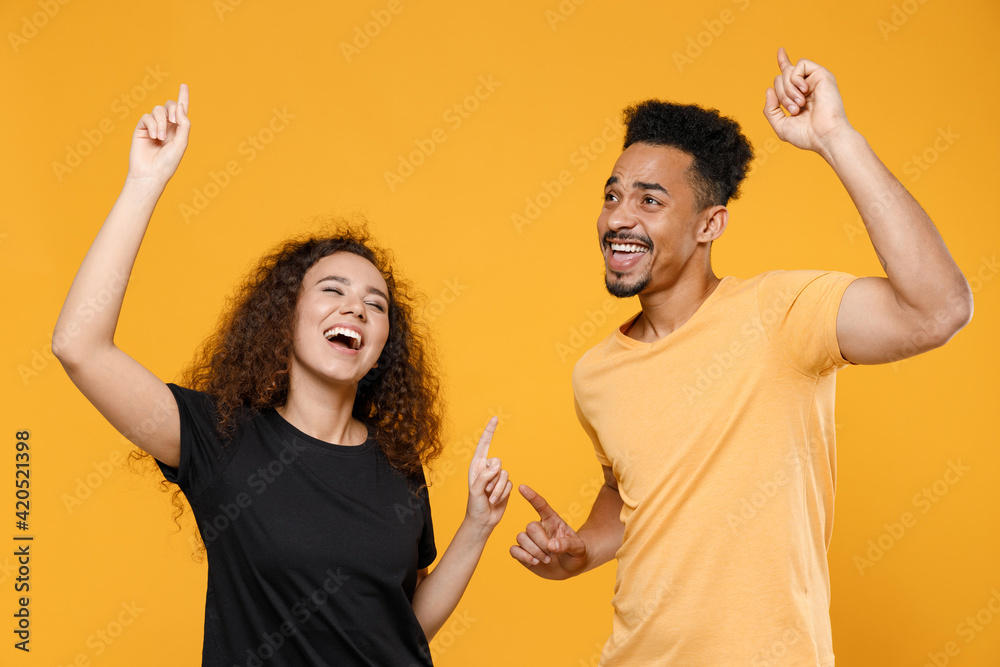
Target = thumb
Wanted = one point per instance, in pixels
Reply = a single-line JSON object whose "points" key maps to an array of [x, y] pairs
{"points": [[772, 110], [183, 122], [571, 545], [184, 97], [478, 485]]}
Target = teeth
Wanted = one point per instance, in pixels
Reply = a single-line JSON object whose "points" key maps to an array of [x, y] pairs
{"points": [[628, 247], [344, 331]]}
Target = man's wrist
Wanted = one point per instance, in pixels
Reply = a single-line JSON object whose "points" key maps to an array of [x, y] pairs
{"points": [[587, 555], [841, 145]]}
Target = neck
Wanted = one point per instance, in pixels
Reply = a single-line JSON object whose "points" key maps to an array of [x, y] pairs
{"points": [[323, 411], [666, 310]]}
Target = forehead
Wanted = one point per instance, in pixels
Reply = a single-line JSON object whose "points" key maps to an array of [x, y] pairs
{"points": [[355, 268], [649, 163]]}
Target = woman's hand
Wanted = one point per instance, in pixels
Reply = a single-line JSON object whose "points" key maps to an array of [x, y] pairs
{"points": [[160, 139], [438, 594], [489, 488]]}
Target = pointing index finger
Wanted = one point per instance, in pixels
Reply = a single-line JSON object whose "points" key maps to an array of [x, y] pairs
{"points": [[783, 61], [542, 507], [183, 97], [483, 448]]}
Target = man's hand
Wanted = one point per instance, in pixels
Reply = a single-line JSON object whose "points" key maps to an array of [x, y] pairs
{"points": [[810, 94], [549, 547]]}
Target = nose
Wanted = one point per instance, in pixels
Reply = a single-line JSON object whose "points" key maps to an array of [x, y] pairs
{"points": [[353, 304], [621, 216]]}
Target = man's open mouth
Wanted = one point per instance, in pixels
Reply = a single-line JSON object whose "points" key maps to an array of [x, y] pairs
{"points": [[628, 247]]}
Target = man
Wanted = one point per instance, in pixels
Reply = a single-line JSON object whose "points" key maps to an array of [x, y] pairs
{"points": [[719, 394]]}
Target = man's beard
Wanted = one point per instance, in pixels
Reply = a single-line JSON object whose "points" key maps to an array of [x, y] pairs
{"points": [[622, 289], [617, 287]]}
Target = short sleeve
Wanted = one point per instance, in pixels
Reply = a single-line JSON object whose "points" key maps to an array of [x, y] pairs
{"points": [[426, 551], [598, 449], [799, 312], [202, 454]]}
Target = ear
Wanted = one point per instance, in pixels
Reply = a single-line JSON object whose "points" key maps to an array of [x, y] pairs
{"points": [[713, 223]]}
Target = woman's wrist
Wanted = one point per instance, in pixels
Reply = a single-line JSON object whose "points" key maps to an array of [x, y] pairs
{"points": [[477, 531], [143, 188]]}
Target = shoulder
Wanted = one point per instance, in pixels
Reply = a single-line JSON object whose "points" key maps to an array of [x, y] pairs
{"points": [[205, 412], [374, 449], [598, 352], [197, 402], [780, 291], [794, 281]]}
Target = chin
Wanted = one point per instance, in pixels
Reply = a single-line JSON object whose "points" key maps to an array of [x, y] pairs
{"points": [[623, 288], [339, 377]]}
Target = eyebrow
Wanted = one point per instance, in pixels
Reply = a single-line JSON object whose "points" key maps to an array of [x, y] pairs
{"points": [[640, 185], [346, 281], [650, 186]]}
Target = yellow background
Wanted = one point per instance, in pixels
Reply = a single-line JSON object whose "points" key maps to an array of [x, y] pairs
{"points": [[512, 306]]}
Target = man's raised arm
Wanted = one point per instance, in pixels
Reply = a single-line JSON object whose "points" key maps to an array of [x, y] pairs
{"points": [[924, 299]]}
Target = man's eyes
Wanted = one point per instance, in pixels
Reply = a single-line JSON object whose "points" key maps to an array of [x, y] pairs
{"points": [[610, 196]]}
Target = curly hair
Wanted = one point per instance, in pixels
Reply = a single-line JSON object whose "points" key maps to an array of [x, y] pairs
{"points": [[721, 153], [244, 365]]}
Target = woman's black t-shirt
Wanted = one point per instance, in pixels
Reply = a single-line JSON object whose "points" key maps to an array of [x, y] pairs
{"points": [[313, 548]]}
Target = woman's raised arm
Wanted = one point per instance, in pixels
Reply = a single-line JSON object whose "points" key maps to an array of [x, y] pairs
{"points": [[134, 400]]}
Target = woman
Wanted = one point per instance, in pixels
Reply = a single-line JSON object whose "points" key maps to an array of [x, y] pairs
{"points": [[298, 443]]}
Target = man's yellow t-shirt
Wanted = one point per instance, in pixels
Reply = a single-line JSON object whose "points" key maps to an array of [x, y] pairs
{"points": [[721, 438]]}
